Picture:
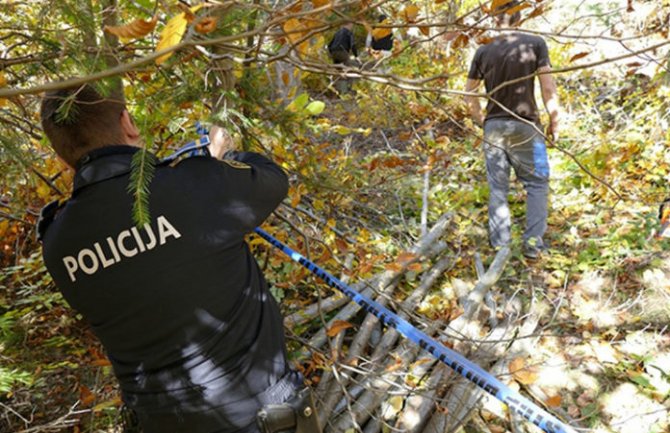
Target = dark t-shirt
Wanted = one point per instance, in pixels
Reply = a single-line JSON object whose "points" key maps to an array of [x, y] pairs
{"points": [[343, 40], [179, 304], [385, 43], [507, 58]]}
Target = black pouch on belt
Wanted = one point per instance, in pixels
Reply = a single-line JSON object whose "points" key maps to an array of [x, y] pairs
{"points": [[296, 415]]}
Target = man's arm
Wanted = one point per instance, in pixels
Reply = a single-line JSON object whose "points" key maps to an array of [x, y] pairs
{"points": [[550, 98], [252, 185], [256, 184], [473, 101]]}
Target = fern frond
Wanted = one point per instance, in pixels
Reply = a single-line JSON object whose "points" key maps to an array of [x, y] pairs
{"points": [[143, 166]]}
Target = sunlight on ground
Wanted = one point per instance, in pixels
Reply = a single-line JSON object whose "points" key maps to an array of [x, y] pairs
{"points": [[633, 412]]}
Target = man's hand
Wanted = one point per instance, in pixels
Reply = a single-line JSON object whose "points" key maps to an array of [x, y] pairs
{"points": [[473, 102], [552, 133], [220, 142]]}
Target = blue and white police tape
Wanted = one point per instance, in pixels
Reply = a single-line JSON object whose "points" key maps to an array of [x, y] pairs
{"points": [[461, 365], [197, 147]]}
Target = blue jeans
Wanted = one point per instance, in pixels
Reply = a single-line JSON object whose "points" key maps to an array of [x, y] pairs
{"points": [[519, 145]]}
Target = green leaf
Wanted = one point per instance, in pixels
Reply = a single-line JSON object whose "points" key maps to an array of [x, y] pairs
{"points": [[298, 103], [315, 108], [642, 381]]}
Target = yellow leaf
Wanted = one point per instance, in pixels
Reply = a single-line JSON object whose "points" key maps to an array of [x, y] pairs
{"points": [[338, 326], [522, 374], [293, 29], [172, 33], [4, 225], [135, 29], [410, 13], [114, 402], [44, 191]]}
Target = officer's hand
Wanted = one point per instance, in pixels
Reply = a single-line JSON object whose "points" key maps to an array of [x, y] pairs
{"points": [[220, 142]]}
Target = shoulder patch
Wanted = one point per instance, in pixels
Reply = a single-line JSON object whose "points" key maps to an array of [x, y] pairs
{"points": [[236, 164], [47, 215]]}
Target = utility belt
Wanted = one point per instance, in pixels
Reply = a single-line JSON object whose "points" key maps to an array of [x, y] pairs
{"points": [[297, 415]]}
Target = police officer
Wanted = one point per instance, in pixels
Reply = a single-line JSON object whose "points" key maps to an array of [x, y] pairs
{"points": [[195, 338]]}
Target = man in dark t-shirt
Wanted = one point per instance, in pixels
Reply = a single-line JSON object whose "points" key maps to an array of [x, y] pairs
{"points": [[180, 305], [343, 46], [512, 131]]}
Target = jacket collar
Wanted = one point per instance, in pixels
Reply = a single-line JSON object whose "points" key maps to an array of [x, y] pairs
{"points": [[102, 164]]}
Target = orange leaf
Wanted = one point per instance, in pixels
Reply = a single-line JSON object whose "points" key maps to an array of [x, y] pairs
{"points": [[406, 257], [415, 267], [206, 25], [341, 245], [461, 41], [536, 12], [425, 30], [296, 7], [338, 326], [394, 267], [86, 396], [135, 29], [495, 4], [101, 362], [554, 401], [286, 79], [365, 268], [484, 40], [381, 32], [521, 373], [396, 365], [319, 3], [518, 8], [188, 12], [579, 56]]}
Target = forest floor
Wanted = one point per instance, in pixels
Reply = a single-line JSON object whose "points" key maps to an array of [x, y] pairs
{"points": [[600, 356]]}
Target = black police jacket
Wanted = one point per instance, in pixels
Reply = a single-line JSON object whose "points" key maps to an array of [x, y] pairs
{"points": [[180, 305]]}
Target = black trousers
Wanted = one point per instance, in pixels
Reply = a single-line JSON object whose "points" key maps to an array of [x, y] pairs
{"points": [[238, 418]]}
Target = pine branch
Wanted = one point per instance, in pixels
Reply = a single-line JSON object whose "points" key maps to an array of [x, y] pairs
{"points": [[143, 166]]}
